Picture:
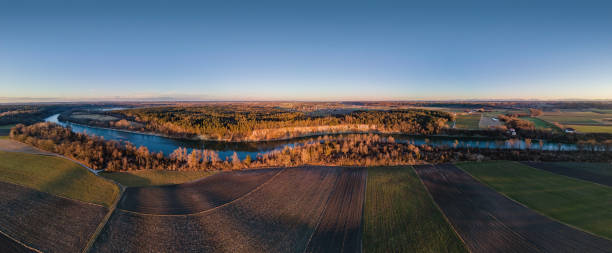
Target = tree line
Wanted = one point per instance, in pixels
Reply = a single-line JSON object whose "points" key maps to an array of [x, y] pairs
{"points": [[351, 150]]}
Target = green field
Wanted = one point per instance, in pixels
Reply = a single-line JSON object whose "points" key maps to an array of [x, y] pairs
{"points": [[604, 169], [575, 117], [155, 177], [400, 216], [592, 128], [468, 121], [542, 124], [581, 204], [57, 176]]}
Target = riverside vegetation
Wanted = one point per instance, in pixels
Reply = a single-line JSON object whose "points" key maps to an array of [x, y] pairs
{"points": [[350, 150]]}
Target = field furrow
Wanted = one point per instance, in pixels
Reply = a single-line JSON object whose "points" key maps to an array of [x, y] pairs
{"points": [[194, 196], [490, 222], [46, 222], [340, 227]]}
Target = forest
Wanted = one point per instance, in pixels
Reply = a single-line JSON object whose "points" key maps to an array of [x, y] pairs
{"points": [[256, 123]]}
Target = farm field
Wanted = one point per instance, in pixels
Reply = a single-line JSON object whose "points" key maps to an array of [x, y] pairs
{"points": [[486, 122], [280, 216], [490, 222], [339, 229], [401, 216], [46, 222], [542, 124], [576, 202], [604, 169], [194, 196], [15, 146], [575, 117], [467, 121], [142, 178], [56, 176], [592, 128], [600, 173]]}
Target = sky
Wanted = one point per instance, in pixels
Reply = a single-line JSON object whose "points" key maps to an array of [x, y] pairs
{"points": [[304, 50]]}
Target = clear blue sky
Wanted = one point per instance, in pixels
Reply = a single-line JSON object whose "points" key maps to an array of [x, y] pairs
{"points": [[305, 50]]}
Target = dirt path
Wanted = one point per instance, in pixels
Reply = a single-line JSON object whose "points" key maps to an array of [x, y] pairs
{"points": [[572, 172], [490, 222]]}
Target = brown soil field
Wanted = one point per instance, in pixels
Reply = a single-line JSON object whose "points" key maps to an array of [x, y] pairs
{"points": [[340, 227], [279, 216], [14, 146], [572, 172], [194, 196], [489, 222], [46, 222]]}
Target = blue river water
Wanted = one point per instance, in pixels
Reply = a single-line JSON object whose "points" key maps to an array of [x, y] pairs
{"points": [[226, 149]]}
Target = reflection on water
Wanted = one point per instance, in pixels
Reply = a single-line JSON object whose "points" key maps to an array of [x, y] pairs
{"points": [[226, 149]]}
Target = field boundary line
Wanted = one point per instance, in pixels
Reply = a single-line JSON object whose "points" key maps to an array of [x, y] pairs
{"points": [[322, 213], [207, 210], [438, 207], [104, 221], [536, 211], [20, 242]]}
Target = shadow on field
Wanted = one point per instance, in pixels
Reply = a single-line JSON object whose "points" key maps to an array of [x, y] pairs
{"points": [[572, 172], [133, 179], [196, 196]]}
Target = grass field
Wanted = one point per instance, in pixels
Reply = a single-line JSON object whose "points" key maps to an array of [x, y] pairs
{"points": [[401, 217], [542, 124], [592, 128], [468, 121], [581, 204], [56, 176], [155, 177], [572, 117]]}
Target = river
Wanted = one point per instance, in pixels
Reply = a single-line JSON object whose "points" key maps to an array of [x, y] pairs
{"points": [[226, 149]]}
